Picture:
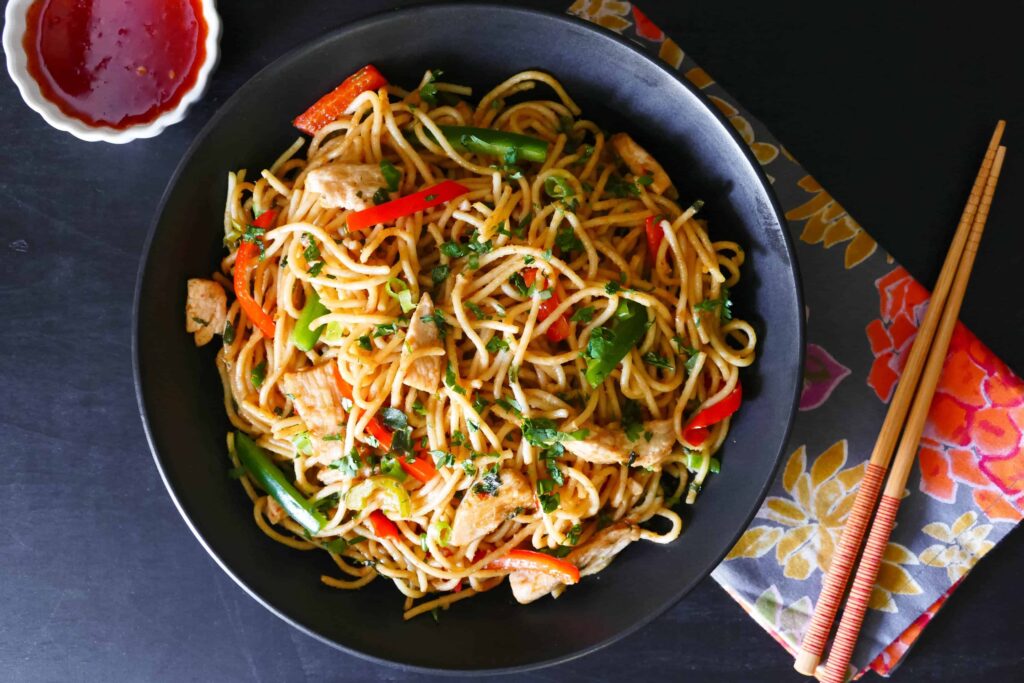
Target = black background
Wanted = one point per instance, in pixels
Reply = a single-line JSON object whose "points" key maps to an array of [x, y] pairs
{"points": [[889, 107]]}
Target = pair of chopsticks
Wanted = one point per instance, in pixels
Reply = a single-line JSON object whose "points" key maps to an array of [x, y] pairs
{"points": [[912, 398]]}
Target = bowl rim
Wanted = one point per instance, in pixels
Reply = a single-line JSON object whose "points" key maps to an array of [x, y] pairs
{"points": [[15, 25], [383, 17]]}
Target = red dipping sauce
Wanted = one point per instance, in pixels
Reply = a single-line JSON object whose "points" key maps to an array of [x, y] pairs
{"points": [[115, 63]]}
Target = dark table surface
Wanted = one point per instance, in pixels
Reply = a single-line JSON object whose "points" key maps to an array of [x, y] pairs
{"points": [[101, 580]]}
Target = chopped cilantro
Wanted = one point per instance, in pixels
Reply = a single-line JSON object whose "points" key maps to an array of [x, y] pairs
{"points": [[364, 342], [620, 188], [254, 235], [349, 464], [229, 332], [567, 241], [490, 482], [392, 176], [385, 329], [476, 311], [511, 405], [496, 344], [658, 361], [450, 380], [519, 283], [443, 458], [439, 274], [258, 374], [583, 315], [632, 418], [393, 418], [723, 304]]}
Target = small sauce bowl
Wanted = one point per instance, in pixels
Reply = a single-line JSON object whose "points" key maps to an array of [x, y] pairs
{"points": [[15, 27]]}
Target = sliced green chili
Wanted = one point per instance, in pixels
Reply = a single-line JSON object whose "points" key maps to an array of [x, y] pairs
{"points": [[610, 344], [496, 143], [303, 337]]}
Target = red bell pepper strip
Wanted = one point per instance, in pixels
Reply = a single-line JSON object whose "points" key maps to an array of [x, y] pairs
{"points": [[559, 329], [389, 212], [655, 235], [374, 426], [383, 527], [695, 436], [564, 571], [245, 259], [333, 104], [420, 468], [718, 412]]}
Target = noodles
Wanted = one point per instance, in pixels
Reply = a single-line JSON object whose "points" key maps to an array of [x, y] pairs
{"points": [[545, 360]]}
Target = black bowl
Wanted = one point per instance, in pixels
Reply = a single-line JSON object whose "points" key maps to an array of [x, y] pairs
{"points": [[180, 396]]}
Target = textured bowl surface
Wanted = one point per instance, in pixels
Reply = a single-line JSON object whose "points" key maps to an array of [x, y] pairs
{"points": [[623, 89]]}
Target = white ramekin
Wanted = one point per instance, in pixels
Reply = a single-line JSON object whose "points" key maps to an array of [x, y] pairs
{"points": [[17, 66]]}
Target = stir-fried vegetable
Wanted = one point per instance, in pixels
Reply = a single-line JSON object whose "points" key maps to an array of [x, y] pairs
{"points": [[420, 467], [501, 144], [395, 498], [563, 570], [655, 235], [272, 479], [399, 291], [609, 345], [249, 250], [384, 527], [333, 104], [559, 329], [406, 206], [304, 337], [721, 410], [696, 432]]}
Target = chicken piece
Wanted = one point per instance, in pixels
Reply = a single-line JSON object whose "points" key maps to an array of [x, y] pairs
{"points": [[273, 510], [592, 557], [601, 549], [528, 586], [346, 186], [424, 373], [317, 399], [608, 446], [206, 309], [652, 453], [480, 514], [602, 446], [640, 162]]}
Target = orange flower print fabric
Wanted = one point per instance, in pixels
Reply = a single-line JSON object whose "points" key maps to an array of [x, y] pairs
{"points": [[974, 436], [902, 302]]}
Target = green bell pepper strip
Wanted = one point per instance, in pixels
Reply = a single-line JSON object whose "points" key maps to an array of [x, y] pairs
{"points": [[272, 479], [609, 345], [496, 143], [305, 339]]}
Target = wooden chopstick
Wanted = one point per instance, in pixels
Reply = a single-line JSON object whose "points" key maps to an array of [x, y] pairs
{"points": [[881, 528], [838, 575]]}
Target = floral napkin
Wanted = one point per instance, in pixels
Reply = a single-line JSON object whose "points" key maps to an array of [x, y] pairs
{"points": [[968, 491]]}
